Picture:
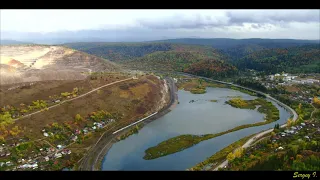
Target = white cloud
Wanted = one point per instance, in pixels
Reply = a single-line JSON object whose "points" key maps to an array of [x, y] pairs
{"points": [[302, 24]]}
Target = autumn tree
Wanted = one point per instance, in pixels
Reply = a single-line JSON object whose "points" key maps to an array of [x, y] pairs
{"points": [[316, 101], [2, 139], [289, 122], [15, 131], [6, 119], [230, 156], [78, 118], [238, 152]]}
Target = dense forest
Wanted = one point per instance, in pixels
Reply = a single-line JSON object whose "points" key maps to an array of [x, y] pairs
{"points": [[211, 68], [241, 51], [226, 43], [120, 51], [251, 83], [301, 59]]}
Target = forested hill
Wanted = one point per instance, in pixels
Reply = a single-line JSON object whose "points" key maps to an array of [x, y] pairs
{"points": [[238, 48], [199, 60], [305, 59], [120, 51], [225, 43]]}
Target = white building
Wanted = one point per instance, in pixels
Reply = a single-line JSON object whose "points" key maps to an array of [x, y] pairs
{"points": [[287, 78], [271, 77]]}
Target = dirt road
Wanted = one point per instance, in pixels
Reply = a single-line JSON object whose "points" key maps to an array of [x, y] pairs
{"points": [[85, 94]]}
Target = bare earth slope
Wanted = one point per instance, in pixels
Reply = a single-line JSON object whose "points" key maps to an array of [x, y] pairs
{"points": [[27, 63]]}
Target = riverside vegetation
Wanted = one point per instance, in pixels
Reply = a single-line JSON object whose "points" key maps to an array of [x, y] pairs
{"points": [[221, 155], [132, 131]]}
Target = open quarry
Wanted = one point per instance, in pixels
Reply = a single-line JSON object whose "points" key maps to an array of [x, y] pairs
{"points": [[28, 63]]}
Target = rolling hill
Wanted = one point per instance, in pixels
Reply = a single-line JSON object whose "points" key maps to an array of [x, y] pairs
{"points": [[226, 43], [238, 48], [160, 56], [119, 51], [305, 59], [200, 60]]}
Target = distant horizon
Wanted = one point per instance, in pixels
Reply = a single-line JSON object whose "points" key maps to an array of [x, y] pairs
{"points": [[150, 25], [66, 41]]}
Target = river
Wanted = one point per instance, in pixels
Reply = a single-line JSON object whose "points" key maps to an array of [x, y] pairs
{"points": [[199, 117]]}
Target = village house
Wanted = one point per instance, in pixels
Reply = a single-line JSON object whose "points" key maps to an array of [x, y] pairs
{"points": [[59, 146], [74, 138], [99, 125], [46, 158], [66, 151], [56, 101], [58, 155], [77, 132]]}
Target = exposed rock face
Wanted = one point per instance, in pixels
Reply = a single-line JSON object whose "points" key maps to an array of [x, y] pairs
{"points": [[165, 96]]}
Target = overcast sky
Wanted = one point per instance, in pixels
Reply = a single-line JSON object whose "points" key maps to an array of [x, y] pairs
{"points": [[293, 24]]}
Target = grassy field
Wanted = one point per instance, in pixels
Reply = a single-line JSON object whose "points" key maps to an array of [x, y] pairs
{"points": [[25, 93], [182, 142]]}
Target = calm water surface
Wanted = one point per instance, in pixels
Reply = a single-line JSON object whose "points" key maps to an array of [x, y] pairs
{"points": [[199, 117]]}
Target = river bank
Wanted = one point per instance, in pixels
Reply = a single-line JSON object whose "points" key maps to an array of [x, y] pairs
{"points": [[106, 142]]}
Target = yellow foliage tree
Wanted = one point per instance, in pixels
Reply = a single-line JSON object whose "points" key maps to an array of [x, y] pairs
{"points": [[238, 152], [2, 139], [6, 119], [15, 131], [316, 101], [230, 156], [299, 157], [289, 122], [78, 118]]}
